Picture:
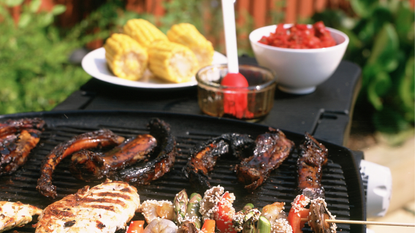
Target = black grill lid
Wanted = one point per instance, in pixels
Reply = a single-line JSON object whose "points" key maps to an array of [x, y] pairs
{"points": [[341, 178]]}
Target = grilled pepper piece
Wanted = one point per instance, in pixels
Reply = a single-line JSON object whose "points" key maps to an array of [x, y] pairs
{"points": [[208, 226], [125, 57], [297, 212], [225, 213], [188, 35]]}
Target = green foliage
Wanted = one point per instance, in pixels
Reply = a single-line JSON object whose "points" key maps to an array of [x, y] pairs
{"points": [[33, 56], [382, 43], [35, 73]]}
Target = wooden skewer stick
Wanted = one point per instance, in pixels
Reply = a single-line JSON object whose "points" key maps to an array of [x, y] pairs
{"points": [[367, 222]]}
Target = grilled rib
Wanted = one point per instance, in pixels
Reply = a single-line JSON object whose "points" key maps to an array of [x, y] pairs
{"points": [[143, 174], [12, 126], [104, 208], [203, 159], [15, 150], [16, 214], [272, 148], [17, 139], [89, 165], [100, 138], [313, 156]]}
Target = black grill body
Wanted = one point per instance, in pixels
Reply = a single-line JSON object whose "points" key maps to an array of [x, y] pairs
{"points": [[341, 179]]}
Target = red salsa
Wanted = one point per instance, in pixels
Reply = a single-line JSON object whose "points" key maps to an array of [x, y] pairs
{"points": [[300, 36]]}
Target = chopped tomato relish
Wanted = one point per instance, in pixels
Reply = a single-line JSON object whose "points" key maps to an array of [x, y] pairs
{"points": [[300, 36]]}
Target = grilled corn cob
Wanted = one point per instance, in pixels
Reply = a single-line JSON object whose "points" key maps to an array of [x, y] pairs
{"points": [[143, 32], [172, 62], [188, 35], [126, 58]]}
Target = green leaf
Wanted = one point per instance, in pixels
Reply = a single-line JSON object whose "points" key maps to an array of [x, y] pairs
{"points": [[381, 15], [404, 22], [24, 20], [378, 87], [363, 8], [385, 48], [369, 73], [354, 42], [406, 90], [392, 5], [35, 5], [58, 9], [390, 121], [5, 16], [367, 31], [13, 3], [46, 19]]}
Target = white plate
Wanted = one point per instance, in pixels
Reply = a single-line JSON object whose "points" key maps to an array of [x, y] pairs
{"points": [[94, 64]]}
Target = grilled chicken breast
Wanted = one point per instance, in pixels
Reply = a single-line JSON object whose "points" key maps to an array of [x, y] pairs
{"points": [[16, 214], [104, 208]]}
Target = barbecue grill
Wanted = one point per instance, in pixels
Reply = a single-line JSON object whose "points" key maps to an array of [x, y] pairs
{"points": [[341, 177]]}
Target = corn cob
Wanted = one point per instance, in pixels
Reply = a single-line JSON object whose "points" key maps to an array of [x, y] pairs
{"points": [[188, 35], [172, 62], [143, 32], [126, 58]]}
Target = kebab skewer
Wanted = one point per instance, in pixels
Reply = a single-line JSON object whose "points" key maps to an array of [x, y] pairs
{"points": [[313, 156]]}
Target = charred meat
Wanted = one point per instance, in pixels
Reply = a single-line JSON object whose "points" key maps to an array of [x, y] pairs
{"points": [[312, 158], [15, 126], [100, 138], [272, 148], [16, 214], [165, 152], [17, 139], [90, 165], [15, 152], [104, 208], [203, 160]]}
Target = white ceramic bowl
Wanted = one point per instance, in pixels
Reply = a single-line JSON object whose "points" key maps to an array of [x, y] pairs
{"points": [[299, 71]]}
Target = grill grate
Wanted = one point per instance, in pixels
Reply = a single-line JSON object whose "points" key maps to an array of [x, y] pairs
{"points": [[281, 186]]}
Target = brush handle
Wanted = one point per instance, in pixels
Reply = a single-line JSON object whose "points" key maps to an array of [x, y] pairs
{"points": [[228, 11]]}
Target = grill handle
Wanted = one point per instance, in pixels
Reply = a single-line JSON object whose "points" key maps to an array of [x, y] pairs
{"points": [[377, 182]]}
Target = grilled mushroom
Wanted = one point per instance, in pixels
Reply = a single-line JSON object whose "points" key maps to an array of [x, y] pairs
{"points": [[318, 215]]}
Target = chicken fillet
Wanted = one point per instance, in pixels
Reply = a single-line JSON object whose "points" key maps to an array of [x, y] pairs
{"points": [[104, 208]]}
